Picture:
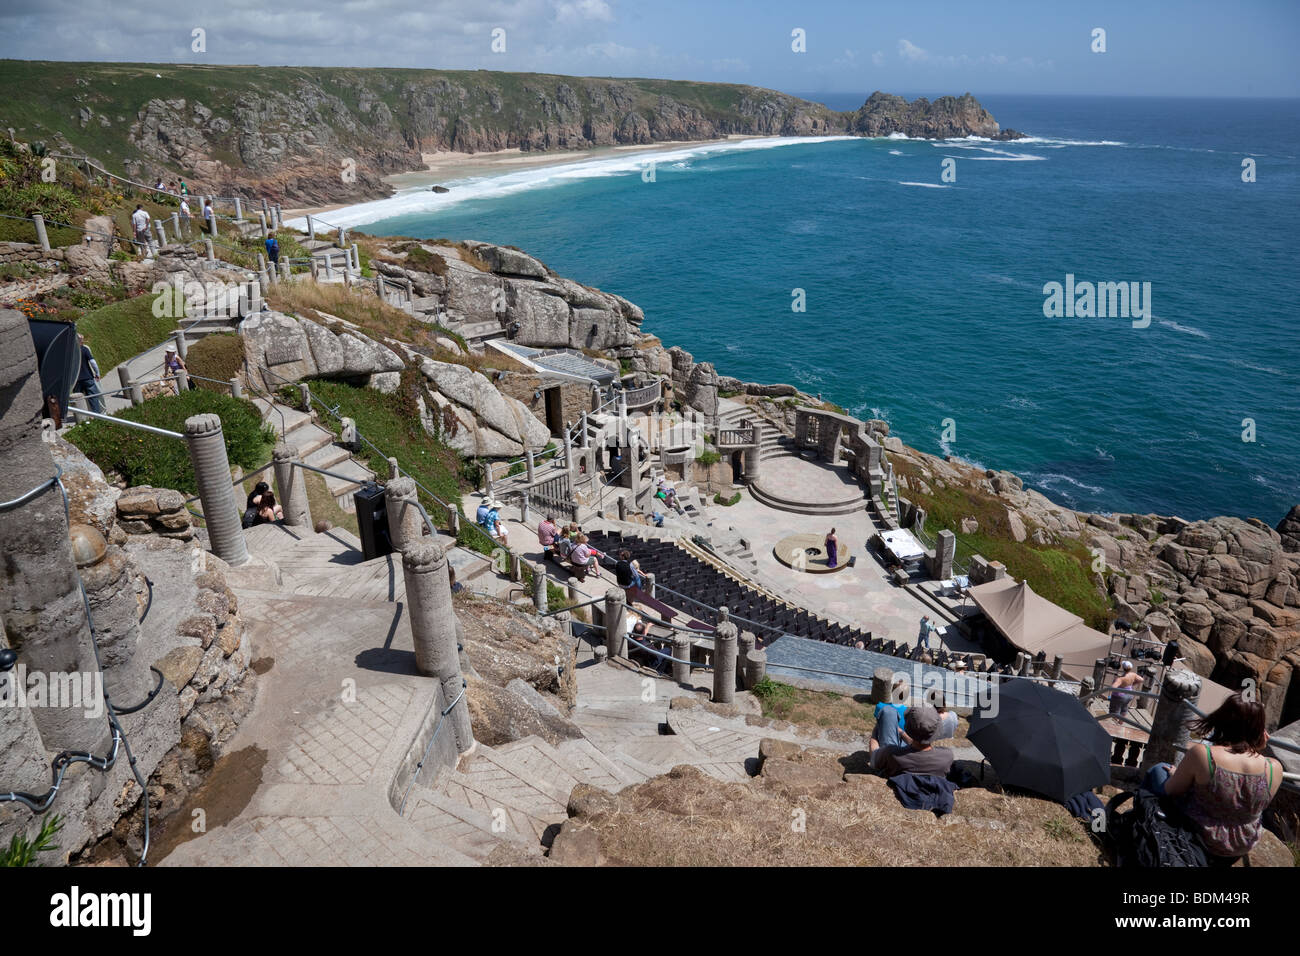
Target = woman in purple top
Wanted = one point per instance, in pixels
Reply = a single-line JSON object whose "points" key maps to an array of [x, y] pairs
{"points": [[832, 549], [1225, 783]]}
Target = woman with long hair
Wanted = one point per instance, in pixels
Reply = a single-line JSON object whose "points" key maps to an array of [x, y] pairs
{"points": [[1224, 782]]}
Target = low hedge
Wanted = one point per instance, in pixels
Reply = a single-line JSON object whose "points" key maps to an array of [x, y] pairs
{"points": [[142, 458], [219, 356]]}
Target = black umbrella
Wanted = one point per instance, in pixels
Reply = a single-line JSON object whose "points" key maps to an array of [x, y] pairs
{"points": [[1041, 740]]}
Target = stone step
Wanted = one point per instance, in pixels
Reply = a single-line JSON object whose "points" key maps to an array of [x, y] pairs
{"points": [[543, 762], [326, 455], [354, 476], [474, 832], [494, 784], [308, 437], [847, 505], [596, 768]]}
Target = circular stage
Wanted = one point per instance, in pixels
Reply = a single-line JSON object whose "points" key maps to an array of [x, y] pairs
{"points": [[807, 552]]}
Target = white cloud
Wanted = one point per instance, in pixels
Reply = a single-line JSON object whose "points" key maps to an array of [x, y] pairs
{"points": [[878, 58], [910, 51], [579, 10]]}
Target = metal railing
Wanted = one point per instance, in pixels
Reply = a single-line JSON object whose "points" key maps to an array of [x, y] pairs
{"points": [[442, 716]]}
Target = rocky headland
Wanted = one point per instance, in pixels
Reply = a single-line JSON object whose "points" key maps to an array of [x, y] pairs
{"points": [[307, 136]]}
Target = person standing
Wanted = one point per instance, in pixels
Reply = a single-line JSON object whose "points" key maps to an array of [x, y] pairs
{"points": [[927, 628], [832, 549], [88, 378], [209, 217], [273, 251], [172, 364], [140, 226], [186, 218], [1120, 698]]}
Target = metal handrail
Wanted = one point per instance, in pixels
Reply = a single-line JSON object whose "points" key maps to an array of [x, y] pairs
{"points": [[127, 422], [464, 685]]}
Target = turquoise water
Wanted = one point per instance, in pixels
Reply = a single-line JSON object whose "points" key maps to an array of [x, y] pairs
{"points": [[924, 300]]}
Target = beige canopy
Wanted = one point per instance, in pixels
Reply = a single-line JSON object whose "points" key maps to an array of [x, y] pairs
{"points": [[1032, 623]]}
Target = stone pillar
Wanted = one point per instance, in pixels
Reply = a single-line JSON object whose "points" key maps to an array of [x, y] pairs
{"points": [[745, 647], [182, 346], [1021, 665], [209, 250], [304, 393], [1170, 730], [239, 209], [622, 508], [393, 470], [311, 228], [750, 462], [595, 398], [649, 578], [285, 269], [530, 464], [1099, 673], [453, 521], [725, 639], [135, 393], [39, 600], [1086, 687], [945, 549], [433, 630], [523, 507], [162, 233], [176, 226], [615, 622], [279, 217], [882, 682], [356, 258], [1057, 662], [290, 487], [42, 239], [329, 265], [261, 223], [221, 512], [755, 669], [404, 520], [584, 438], [236, 388], [681, 657], [515, 565], [182, 381], [539, 588]]}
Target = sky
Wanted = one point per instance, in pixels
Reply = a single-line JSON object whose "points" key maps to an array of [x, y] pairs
{"points": [[1151, 47]]}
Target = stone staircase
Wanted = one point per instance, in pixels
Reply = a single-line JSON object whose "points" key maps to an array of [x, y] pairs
{"points": [[317, 447]]}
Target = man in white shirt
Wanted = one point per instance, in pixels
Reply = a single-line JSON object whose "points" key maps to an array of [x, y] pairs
{"points": [[185, 217], [140, 223]]}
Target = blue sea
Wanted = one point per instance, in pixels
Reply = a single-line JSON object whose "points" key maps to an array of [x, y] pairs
{"points": [[924, 299]]}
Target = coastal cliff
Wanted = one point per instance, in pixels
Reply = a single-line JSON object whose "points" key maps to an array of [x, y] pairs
{"points": [[318, 135]]}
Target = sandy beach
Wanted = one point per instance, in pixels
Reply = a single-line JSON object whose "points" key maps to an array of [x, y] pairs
{"points": [[447, 166]]}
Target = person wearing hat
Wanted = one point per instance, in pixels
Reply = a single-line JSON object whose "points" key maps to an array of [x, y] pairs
{"points": [[494, 525], [919, 755], [1120, 698], [173, 363]]}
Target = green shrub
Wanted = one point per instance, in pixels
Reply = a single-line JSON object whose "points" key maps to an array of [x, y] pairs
{"points": [[219, 356], [142, 458], [708, 457], [22, 851]]}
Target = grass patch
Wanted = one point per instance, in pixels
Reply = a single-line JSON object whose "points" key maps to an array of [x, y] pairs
{"points": [[1059, 828], [726, 502], [324, 506], [120, 330], [392, 423], [814, 708], [142, 458]]}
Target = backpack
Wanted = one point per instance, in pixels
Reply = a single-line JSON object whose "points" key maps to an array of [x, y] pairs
{"points": [[1152, 834]]}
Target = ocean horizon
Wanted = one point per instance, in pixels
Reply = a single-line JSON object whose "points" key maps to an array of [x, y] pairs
{"points": [[925, 269]]}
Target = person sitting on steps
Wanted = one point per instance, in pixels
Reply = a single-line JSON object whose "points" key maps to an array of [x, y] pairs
{"points": [[1223, 784]]}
